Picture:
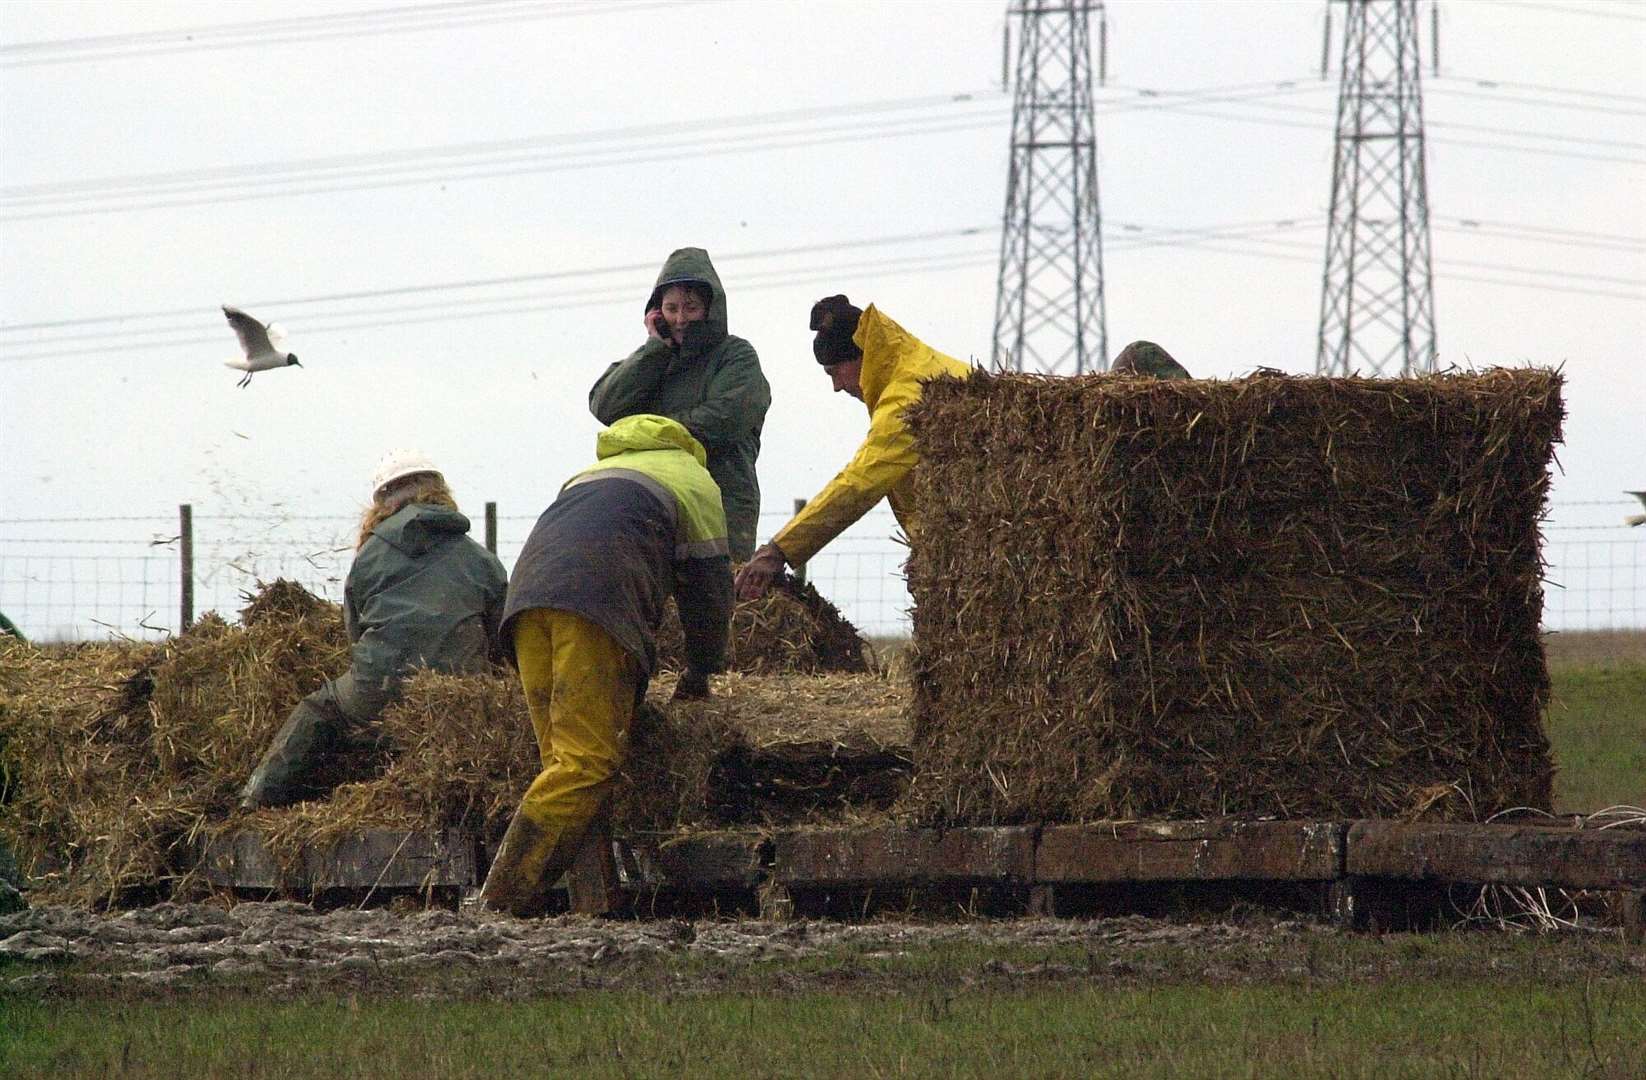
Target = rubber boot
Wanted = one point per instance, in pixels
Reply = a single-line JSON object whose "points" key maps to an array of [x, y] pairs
{"points": [[527, 864], [290, 765]]}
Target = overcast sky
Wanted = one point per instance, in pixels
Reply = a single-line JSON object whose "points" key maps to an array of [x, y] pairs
{"points": [[502, 181]]}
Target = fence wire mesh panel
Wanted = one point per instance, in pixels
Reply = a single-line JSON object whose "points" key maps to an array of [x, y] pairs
{"points": [[1596, 573], [84, 579]]}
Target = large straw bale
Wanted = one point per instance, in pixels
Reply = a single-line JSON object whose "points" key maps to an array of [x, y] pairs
{"points": [[1296, 597]]}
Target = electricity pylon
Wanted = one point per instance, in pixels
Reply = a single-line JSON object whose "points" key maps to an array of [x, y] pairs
{"points": [[1048, 314], [1377, 299]]}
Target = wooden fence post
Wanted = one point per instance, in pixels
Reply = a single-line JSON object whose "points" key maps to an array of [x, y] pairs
{"points": [[800, 568], [185, 522], [491, 527]]}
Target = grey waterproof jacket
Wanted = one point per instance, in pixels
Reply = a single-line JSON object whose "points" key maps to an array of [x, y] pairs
{"points": [[712, 385], [640, 526], [421, 593]]}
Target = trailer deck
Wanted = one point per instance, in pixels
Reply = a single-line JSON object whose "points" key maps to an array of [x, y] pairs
{"points": [[1369, 874]]}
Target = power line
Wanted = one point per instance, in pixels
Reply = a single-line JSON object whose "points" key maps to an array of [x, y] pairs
{"points": [[1567, 9], [254, 28], [1131, 236], [1548, 102], [738, 144], [303, 29], [1607, 95], [297, 171], [1232, 230], [414, 155], [539, 155], [516, 279]]}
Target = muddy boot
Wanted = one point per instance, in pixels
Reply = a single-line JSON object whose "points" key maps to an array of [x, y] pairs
{"points": [[290, 766], [526, 865]]}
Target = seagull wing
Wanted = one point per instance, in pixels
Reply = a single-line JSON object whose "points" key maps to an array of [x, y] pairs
{"points": [[277, 337], [253, 335], [1641, 495]]}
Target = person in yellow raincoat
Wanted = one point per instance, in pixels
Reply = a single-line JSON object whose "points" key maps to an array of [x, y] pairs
{"points": [[873, 359], [584, 602]]}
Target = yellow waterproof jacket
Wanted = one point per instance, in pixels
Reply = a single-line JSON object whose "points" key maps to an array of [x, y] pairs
{"points": [[895, 364]]}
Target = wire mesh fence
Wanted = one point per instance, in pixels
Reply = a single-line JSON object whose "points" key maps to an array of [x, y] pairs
{"points": [[80, 579]]}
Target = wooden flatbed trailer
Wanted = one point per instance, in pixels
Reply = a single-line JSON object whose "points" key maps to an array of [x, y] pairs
{"points": [[1369, 874]]}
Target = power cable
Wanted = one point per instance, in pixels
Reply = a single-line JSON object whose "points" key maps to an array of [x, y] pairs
{"points": [[1130, 235], [781, 141], [642, 132], [1606, 95], [516, 279], [749, 143], [1212, 239], [456, 19], [1567, 9]]}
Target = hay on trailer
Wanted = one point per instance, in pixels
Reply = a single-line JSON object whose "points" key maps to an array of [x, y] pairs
{"points": [[462, 753], [125, 757], [1275, 596], [125, 750], [793, 628], [765, 750]]}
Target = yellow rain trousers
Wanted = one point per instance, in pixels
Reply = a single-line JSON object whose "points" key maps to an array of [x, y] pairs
{"points": [[895, 364], [580, 689]]}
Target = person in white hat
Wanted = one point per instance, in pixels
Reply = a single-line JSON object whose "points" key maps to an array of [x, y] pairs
{"points": [[420, 593]]}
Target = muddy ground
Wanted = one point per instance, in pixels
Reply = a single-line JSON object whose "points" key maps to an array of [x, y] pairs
{"points": [[288, 949]]}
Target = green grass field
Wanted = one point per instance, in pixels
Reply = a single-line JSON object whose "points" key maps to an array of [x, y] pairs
{"points": [[1597, 729], [1410, 1029], [1451, 1006]]}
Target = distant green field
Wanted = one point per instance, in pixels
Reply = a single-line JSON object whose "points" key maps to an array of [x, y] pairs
{"points": [[1597, 728]]}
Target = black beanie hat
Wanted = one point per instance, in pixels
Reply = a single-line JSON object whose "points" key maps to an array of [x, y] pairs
{"points": [[835, 320]]}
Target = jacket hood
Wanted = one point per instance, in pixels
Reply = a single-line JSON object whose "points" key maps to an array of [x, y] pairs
{"points": [[692, 265], [417, 527], [647, 431]]}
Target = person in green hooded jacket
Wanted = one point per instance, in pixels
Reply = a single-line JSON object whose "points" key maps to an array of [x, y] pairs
{"points": [[692, 371], [420, 593]]}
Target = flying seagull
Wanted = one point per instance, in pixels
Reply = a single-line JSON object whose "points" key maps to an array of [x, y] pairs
{"points": [[262, 353], [1636, 519]]}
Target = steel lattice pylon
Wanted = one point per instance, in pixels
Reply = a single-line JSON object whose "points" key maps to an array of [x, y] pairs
{"points": [[1377, 300], [1049, 300]]}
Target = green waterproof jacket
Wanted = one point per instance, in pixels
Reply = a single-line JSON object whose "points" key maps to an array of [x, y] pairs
{"points": [[712, 385], [421, 594]]}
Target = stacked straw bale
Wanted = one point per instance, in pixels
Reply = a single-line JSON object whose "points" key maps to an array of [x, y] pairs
{"points": [[1274, 596]]}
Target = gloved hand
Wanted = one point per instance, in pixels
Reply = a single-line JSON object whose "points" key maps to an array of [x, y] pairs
{"points": [[756, 576], [693, 686]]}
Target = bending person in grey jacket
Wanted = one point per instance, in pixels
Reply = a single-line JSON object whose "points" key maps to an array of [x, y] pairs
{"points": [[420, 594], [692, 371]]}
